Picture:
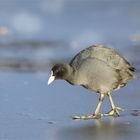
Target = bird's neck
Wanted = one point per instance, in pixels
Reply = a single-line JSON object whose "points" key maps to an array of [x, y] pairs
{"points": [[71, 75]]}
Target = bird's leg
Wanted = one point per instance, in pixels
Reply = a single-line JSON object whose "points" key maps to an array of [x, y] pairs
{"points": [[115, 110], [99, 105], [96, 115]]}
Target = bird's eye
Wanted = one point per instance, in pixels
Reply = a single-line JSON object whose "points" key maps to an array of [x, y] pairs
{"points": [[56, 72]]}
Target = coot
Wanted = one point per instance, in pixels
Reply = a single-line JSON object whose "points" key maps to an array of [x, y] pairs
{"points": [[100, 69]]}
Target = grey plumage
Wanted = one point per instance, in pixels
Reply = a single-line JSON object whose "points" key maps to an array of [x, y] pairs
{"points": [[101, 64], [97, 68]]}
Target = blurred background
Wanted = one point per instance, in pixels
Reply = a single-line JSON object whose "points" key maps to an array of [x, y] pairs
{"points": [[35, 34]]}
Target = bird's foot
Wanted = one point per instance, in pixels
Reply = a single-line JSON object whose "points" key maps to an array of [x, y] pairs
{"points": [[86, 117], [115, 111]]}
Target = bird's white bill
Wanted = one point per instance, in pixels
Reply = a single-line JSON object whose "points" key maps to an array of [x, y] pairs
{"points": [[51, 79]]}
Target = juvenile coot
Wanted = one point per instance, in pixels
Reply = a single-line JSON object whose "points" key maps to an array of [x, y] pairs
{"points": [[99, 69]]}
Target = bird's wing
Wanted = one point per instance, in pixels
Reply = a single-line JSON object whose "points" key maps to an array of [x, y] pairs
{"points": [[103, 53]]}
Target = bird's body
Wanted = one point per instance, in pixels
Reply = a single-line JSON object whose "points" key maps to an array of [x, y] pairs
{"points": [[94, 78], [97, 68], [105, 68]]}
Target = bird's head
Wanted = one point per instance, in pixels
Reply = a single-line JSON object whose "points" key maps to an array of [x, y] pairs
{"points": [[59, 71]]}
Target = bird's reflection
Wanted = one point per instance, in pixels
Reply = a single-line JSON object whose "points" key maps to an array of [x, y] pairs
{"points": [[97, 129], [106, 130]]}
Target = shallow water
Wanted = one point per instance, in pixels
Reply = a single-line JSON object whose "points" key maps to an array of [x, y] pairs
{"points": [[32, 110]]}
